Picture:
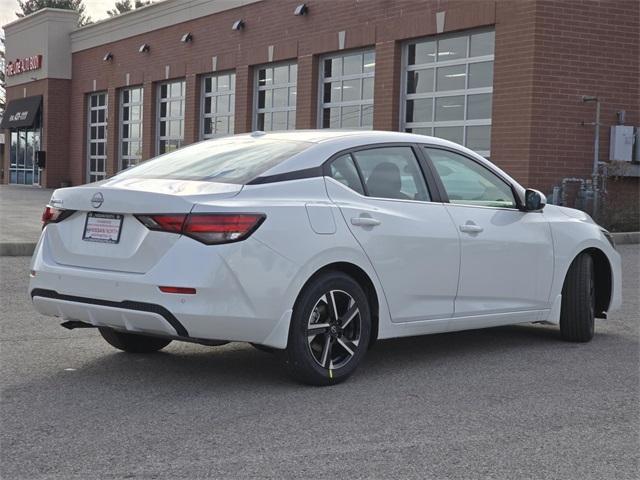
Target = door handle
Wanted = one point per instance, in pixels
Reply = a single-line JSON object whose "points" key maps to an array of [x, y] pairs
{"points": [[365, 221], [471, 228]]}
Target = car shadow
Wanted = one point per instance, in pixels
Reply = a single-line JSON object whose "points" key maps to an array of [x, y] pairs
{"points": [[238, 367]]}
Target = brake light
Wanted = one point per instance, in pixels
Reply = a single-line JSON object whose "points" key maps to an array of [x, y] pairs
{"points": [[208, 228], [54, 215]]}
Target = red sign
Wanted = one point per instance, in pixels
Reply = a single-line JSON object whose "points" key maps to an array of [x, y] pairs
{"points": [[22, 65]]}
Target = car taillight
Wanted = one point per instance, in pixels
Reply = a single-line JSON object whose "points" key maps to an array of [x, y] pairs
{"points": [[54, 215], [208, 228]]}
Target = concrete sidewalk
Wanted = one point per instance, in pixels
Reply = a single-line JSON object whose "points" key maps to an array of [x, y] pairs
{"points": [[20, 212]]}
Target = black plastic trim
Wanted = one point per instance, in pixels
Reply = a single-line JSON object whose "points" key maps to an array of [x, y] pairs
{"points": [[283, 177], [127, 305]]}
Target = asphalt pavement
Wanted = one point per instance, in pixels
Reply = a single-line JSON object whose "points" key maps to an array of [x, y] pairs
{"points": [[500, 403]]}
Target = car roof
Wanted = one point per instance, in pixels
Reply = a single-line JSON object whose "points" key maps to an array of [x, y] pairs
{"points": [[329, 135]]}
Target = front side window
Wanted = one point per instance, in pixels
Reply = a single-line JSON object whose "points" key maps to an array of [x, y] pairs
{"points": [[391, 172], [276, 94], [469, 183], [448, 88], [347, 90], [218, 104], [226, 160], [170, 116], [97, 135], [130, 126]]}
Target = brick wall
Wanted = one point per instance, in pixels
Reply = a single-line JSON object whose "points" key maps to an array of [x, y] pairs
{"points": [[548, 54]]}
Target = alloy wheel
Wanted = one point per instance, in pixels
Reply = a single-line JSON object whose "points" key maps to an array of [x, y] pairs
{"points": [[333, 329]]}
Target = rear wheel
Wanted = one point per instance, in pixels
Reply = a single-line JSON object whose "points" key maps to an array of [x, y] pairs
{"points": [[133, 342], [330, 330], [577, 315]]}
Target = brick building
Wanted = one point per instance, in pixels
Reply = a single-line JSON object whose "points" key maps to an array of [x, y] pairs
{"points": [[504, 77]]}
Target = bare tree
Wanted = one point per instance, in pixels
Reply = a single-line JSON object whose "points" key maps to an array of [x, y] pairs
{"points": [[28, 7], [126, 6]]}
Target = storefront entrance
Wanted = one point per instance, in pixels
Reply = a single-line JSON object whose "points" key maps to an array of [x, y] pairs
{"points": [[23, 168], [22, 123]]}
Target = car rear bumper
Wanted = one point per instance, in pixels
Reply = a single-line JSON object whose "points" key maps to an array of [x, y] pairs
{"points": [[234, 300]]}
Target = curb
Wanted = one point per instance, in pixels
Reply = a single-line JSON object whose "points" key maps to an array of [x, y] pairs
{"points": [[25, 249], [18, 249], [625, 238]]}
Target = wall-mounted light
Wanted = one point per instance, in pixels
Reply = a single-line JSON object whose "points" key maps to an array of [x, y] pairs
{"points": [[301, 9], [187, 38], [144, 48], [107, 57], [238, 25]]}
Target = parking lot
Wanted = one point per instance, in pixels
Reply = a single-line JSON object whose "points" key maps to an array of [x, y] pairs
{"points": [[512, 402]]}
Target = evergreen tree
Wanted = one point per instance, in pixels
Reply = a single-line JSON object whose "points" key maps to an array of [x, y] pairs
{"points": [[126, 6], [28, 7]]}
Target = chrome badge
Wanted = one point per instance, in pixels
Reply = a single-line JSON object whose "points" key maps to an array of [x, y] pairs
{"points": [[97, 200]]}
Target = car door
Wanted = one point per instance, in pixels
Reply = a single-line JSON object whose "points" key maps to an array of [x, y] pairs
{"points": [[506, 254], [409, 238]]}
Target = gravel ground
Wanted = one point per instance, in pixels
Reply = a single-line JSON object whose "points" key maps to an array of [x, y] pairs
{"points": [[508, 403]]}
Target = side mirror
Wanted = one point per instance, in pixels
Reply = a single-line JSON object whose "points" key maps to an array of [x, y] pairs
{"points": [[534, 200]]}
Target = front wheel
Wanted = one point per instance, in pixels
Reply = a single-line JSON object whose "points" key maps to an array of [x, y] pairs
{"points": [[330, 330], [133, 342], [577, 313]]}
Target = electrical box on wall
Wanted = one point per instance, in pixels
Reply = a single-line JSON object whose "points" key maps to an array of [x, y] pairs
{"points": [[621, 143]]}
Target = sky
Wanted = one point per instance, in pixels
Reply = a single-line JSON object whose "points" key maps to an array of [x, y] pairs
{"points": [[97, 9]]}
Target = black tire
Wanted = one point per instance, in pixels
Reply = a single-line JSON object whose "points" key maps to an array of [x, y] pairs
{"points": [[577, 314], [132, 342], [344, 337]]}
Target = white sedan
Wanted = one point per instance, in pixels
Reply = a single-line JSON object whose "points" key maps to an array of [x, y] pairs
{"points": [[314, 244]]}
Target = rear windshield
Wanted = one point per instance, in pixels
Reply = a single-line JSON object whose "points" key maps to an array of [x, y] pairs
{"points": [[232, 160]]}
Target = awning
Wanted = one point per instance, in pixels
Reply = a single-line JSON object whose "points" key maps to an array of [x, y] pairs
{"points": [[22, 112]]}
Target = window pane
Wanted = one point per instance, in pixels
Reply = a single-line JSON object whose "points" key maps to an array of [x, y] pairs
{"points": [[482, 44], [350, 117], [481, 74], [479, 138], [281, 74], [222, 82], [367, 88], [392, 172], [367, 116], [344, 171], [279, 121], [293, 73], [351, 90], [452, 48], [369, 62], [423, 52], [332, 66], [453, 134], [331, 117], [468, 182], [352, 64], [451, 78], [419, 130], [420, 81], [420, 110], [479, 106], [280, 97], [449, 108]]}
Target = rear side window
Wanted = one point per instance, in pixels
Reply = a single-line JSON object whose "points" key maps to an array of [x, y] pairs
{"points": [[468, 182], [233, 160], [344, 170], [392, 172]]}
